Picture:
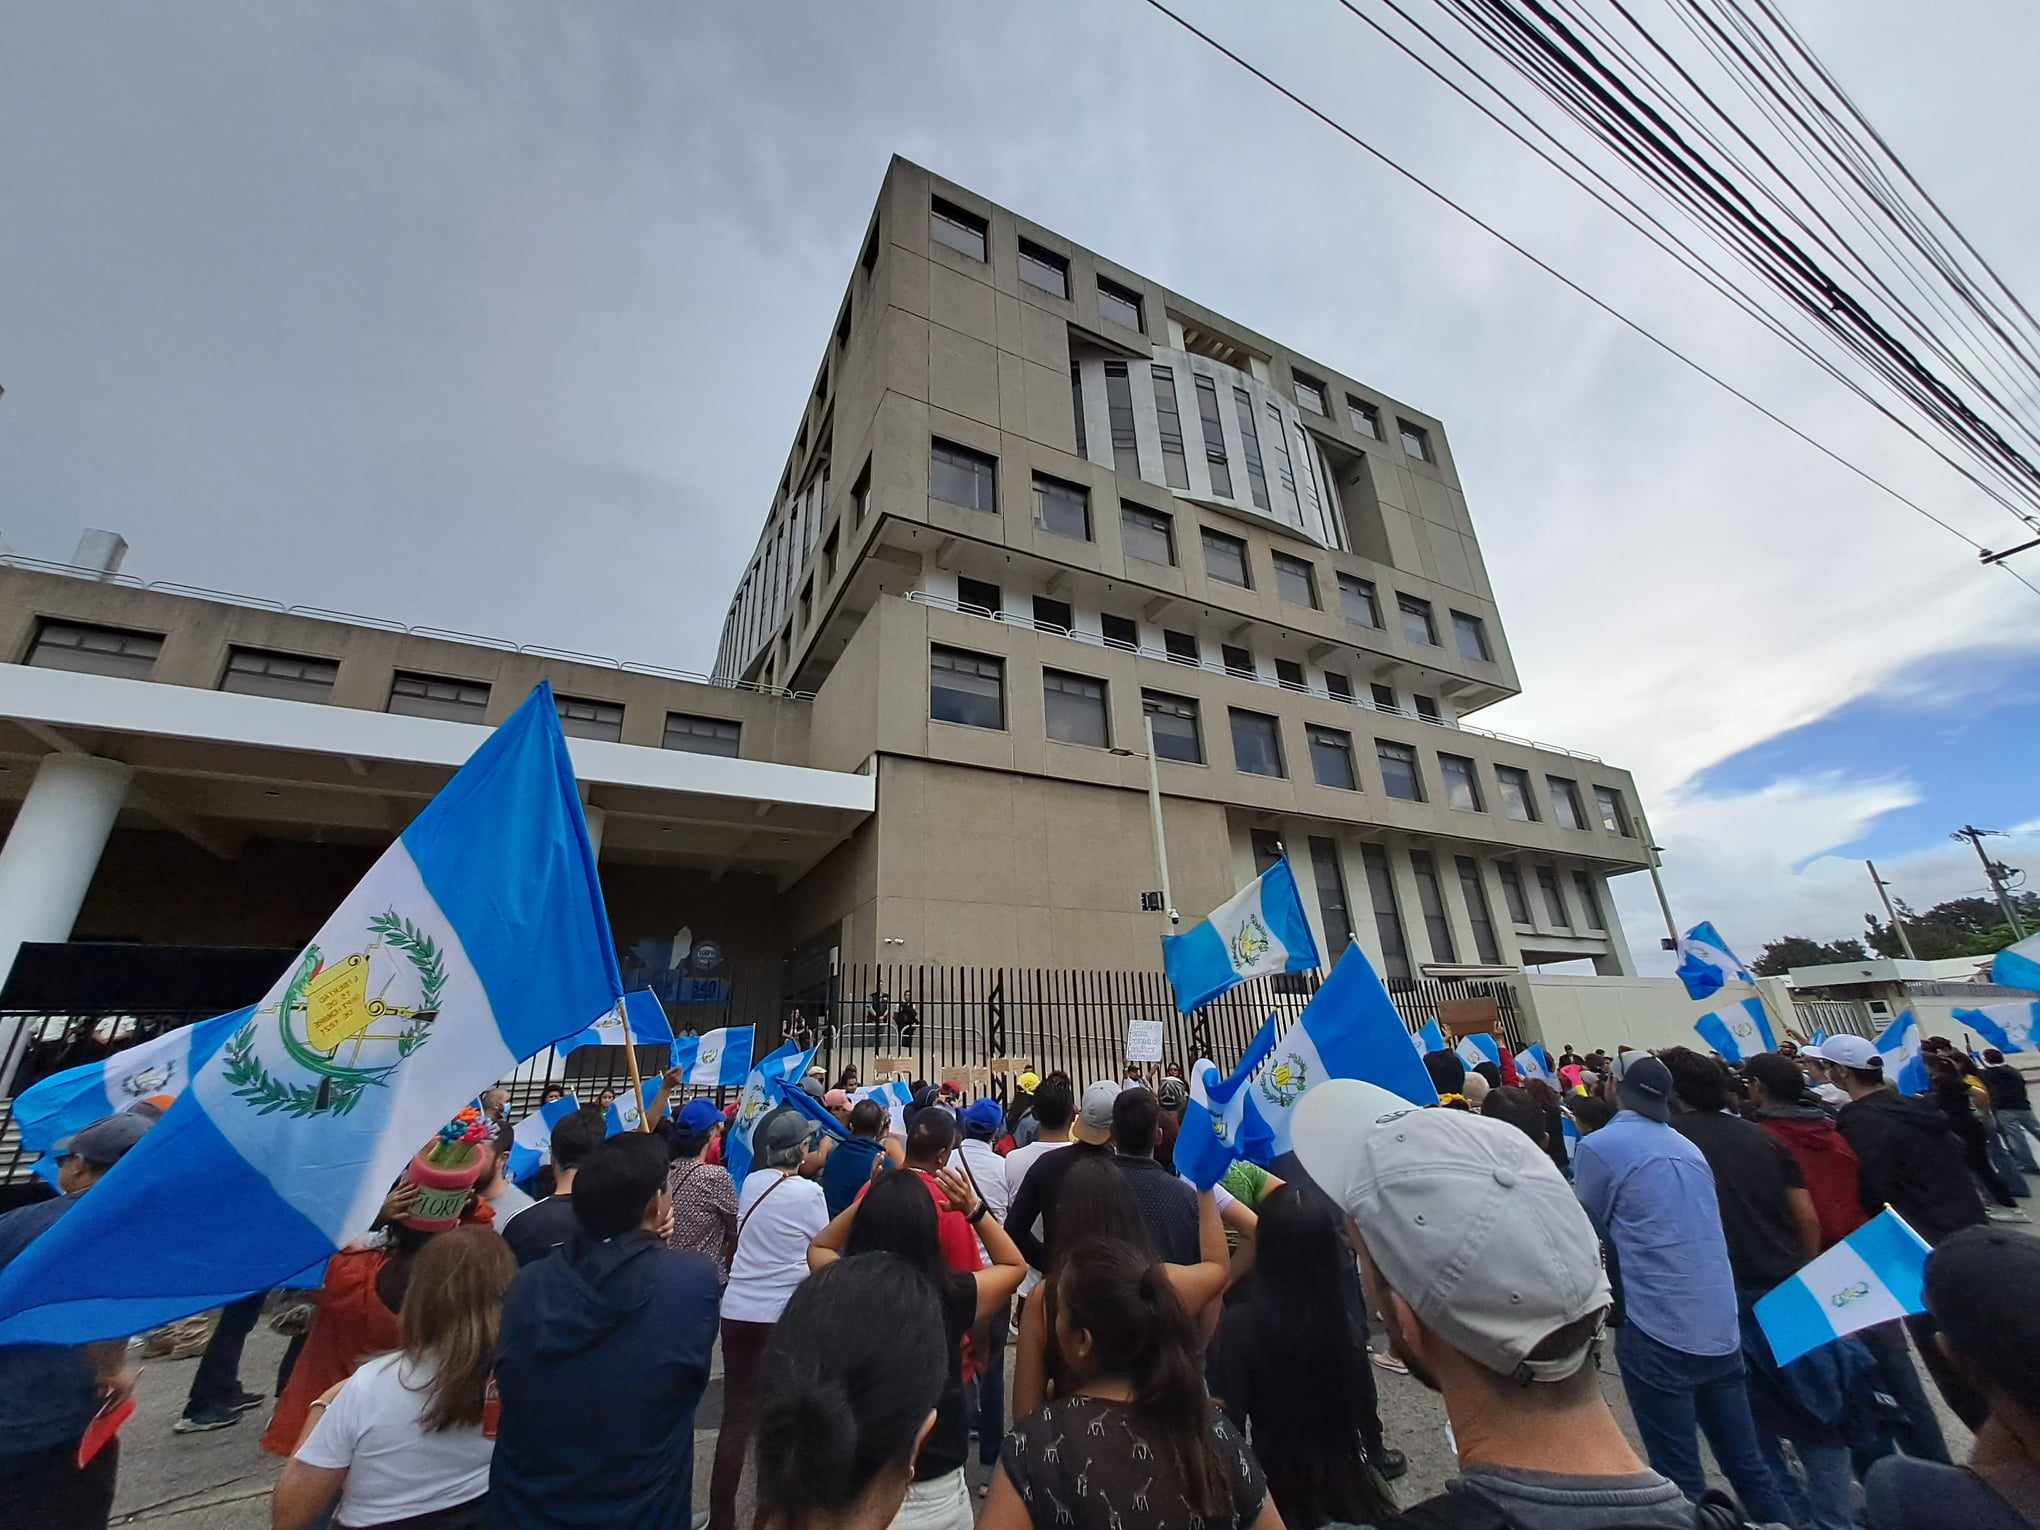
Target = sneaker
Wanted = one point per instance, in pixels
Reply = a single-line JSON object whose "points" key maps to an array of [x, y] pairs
{"points": [[1389, 1362], [205, 1420], [2005, 1214], [246, 1400], [1389, 1462]]}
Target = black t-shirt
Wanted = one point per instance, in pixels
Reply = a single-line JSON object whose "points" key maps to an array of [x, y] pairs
{"points": [[2007, 1087], [1752, 1172], [1082, 1463], [948, 1444], [540, 1228], [1167, 1205]]}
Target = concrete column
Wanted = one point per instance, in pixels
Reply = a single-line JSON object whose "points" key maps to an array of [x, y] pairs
{"points": [[596, 817], [1617, 962], [53, 849]]}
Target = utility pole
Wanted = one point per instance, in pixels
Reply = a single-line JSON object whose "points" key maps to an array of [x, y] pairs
{"points": [[1998, 873], [1904, 940]]}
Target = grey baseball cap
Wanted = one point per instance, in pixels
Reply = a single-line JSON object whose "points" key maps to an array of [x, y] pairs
{"points": [[106, 1141], [1094, 1115], [784, 1128], [1463, 1217]]}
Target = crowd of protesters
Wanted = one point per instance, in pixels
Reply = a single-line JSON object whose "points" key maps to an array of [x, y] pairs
{"points": [[1182, 1359]]}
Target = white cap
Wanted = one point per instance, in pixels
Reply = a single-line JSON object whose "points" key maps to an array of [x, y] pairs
{"points": [[1465, 1218], [1850, 1051]]}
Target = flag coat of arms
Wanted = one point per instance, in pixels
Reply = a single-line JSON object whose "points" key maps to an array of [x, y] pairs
{"points": [[1477, 1048], [1875, 1274], [626, 1115], [1706, 963], [454, 959], [1534, 1062], [2008, 1027], [1739, 1031], [1262, 929], [764, 1091], [715, 1059], [642, 1023]]}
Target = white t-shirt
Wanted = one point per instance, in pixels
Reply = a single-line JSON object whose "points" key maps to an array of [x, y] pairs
{"points": [[1018, 1162], [508, 1200], [987, 1172], [395, 1469], [771, 1257]]}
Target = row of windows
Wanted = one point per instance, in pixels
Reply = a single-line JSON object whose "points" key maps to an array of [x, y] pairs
{"points": [[961, 230], [1311, 397], [969, 688], [968, 479], [301, 677]]}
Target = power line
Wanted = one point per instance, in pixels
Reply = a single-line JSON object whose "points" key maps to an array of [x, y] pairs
{"points": [[1556, 275]]}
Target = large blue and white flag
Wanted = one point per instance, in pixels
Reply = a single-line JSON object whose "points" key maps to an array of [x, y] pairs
{"points": [[1476, 1048], [1430, 1039], [715, 1059], [642, 1023], [51, 1109], [1350, 1029], [1737, 1032], [531, 1138], [1899, 1046], [764, 1090], [1705, 962], [624, 1115], [1260, 930], [2008, 1027], [1875, 1274], [1214, 1121], [2018, 966], [895, 1096], [456, 957], [1534, 1062]]}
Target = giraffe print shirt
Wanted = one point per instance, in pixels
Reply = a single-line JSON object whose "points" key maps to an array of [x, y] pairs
{"points": [[1081, 1463]]}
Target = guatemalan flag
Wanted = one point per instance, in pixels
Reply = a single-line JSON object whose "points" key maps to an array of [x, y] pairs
{"points": [[716, 1059], [2018, 966], [1477, 1048], [1261, 929], [624, 1116], [1705, 962], [643, 1023], [895, 1096], [455, 958], [1899, 1046], [531, 1138], [764, 1090], [1349, 1029], [1430, 1039], [1739, 1031], [1534, 1062], [53, 1108], [1875, 1274], [2008, 1027]]}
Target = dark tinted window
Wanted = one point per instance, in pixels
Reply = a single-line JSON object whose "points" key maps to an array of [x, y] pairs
{"points": [[1257, 744], [1331, 758], [966, 688], [1175, 726], [959, 476], [1044, 269]]}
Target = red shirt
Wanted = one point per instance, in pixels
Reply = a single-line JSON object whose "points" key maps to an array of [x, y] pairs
{"points": [[1830, 1169], [952, 1230]]}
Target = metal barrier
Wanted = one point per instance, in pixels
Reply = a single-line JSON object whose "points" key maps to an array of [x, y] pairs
{"points": [[1836, 1017]]}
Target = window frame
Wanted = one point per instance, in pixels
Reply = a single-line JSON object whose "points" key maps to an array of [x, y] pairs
{"points": [[1180, 708], [1250, 448], [1515, 897], [1206, 536], [1590, 900], [998, 675], [1565, 802], [1211, 430], [1606, 798], [1120, 421], [314, 691], [1234, 716], [1384, 751], [995, 608], [715, 726], [1333, 741], [1363, 589], [1553, 893], [1416, 608], [1408, 432], [1129, 642], [1062, 679], [595, 726], [1041, 255], [479, 710], [1431, 903], [1463, 623], [1364, 417], [1194, 658], [973, 459], [1476, 803], [1293, 567], [1047, 487], [1388, 921], [1480, 914], [1110, 290], [1504, 774], [943, 213], [46, 626], [1129, 510], [1169, 423], [1048, 620], [1301, 384]]}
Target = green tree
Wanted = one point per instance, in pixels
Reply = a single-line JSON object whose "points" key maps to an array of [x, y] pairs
{"points": [[1959, 927], [1789, 951]]}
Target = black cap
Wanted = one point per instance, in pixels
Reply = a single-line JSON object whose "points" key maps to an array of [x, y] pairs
{"points": [[1644, 1085], [1980, 1286]]}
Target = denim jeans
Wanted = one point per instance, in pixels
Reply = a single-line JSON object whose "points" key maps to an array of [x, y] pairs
{"points": [[988, 1403], [1675, 1398], [1823, 1501], [2014, 1127]]}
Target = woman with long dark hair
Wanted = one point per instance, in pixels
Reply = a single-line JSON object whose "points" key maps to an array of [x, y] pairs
{"points": [[401, 1441], [897, 1217], [1133, 1440], [1292, 1369]]}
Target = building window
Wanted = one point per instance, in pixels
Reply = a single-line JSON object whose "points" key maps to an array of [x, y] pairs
{"points": [[829, 545], [1462, 787], [1565, 803], [1225, 558], [1146, 534], [860, 496], [1237, 661], [1267, 846], [95, 650], [1417, 626], [1062, 508], [1337, 686], [1427, 707], [1250, 444], [868, 261], [1075, 709], [430, 696], [1395, 953], [1590, 901], [1512, 892], [1289, 674], [1119, 409], [1310, 393], [1513, 786], [963, 231], [1278, 449], [807, 605], [1554, 899], [1256, 744], [1077, 408], [1365, 417], [987, 598], [1416, 440], [959, 476], [1181, 647], [1295, 581], [288, 676], [1331, 895], [1331, 758], [1478, 914], [1431, 898], [1214, 437], [966, 688], [1470, 633], [1054, 613], [1044, 270], [1614, 817], [700, 735], [1174, 466], [843, 329], [1399, 771], [1174, 720], [1384, 699], [1119, 305], [1357, 602], [1119, 631], [582, 718]]}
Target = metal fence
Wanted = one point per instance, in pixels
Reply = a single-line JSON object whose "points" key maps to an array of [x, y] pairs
{"points": [[1835, 1016]]}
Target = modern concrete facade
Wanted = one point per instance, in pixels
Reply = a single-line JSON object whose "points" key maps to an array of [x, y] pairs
{"points": [[1035, 501]]}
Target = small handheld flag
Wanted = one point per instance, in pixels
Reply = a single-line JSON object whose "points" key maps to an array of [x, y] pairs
{"points": [[895, 1097], [1213, 1121], [1261, 929], [531, 1138], [1875, 1274], [1706, 963], [624, 1116], [642, 1024], [1534, 1062], [2008, 1027], [716, 1059], [1430, 1039], [1478, 1048], [1737, 1032]]}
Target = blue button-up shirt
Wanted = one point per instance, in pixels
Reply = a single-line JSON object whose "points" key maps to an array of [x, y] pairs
{"points": [[48, 1393], [1651, 1197]]}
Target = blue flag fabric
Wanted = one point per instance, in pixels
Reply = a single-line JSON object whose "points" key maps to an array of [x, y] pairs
{"points": [[2008, 1027], [623, 1117], [1478, 1048], [642, 1024], [531, 1138], [1875, 1274], [2018, 966], [1818, 1038], [806, 1104], [1208, 1142], [1261, 929], [456, 957], [718, 1059], [764, 1090], [1740, 1031], [1899, 1046], [895, 1096], [1430, 1039], [1534, 1062], [1706, 963]]}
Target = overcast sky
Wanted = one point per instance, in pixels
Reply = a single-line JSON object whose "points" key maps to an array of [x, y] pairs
{"points": [[500, 318]]}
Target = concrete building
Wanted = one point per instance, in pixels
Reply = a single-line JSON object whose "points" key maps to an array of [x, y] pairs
{"points": [[1035, 503]]}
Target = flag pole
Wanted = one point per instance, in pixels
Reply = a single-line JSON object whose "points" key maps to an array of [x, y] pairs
{"points": [[1155, 813], [637, 1080]]}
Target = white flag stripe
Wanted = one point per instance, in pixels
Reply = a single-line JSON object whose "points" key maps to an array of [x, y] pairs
{"points": [[1837, 1275]]}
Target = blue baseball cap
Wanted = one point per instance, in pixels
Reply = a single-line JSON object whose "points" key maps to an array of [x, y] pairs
{"points": [[984, 1118], [699, 1118]]}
